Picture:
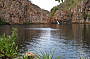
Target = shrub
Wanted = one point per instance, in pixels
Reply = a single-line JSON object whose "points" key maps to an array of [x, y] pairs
{"points": [[2, 21], [8, 46], [53, 10]]}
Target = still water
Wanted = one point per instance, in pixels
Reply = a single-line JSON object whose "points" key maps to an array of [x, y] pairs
{"points": [[67, 41]]}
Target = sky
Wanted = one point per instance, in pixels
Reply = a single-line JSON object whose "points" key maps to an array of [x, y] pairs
{"points": [[45, 4]]}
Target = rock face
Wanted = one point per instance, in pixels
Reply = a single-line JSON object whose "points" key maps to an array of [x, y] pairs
{"points": [[22, 11], [61, 16], [74, 14], [77, 13]]}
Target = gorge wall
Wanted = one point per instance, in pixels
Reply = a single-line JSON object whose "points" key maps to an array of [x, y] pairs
{"points": [[72, 10], [22, 11]]}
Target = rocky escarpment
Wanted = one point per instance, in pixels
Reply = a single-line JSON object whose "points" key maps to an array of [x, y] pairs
{"points": [[22, 11], [74, 11]]}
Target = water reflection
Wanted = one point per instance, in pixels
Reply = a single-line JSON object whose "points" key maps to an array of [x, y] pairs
{"points": [[69, 41], [47, 29]]}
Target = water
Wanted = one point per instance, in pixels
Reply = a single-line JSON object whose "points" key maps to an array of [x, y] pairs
{"points": [[67, 41]]}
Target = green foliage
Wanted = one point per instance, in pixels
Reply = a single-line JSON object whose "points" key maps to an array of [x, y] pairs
{"points": [[68, 4], [28, 57], [42, 55], [8, 46], [88, 15], [84, 57], [57, 0], [2, 22], [25, 57], [53, 10], [27, 23], [60, 0], [46, 55]]}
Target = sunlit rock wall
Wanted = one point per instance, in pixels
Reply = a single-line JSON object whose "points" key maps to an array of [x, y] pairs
{"points": [[22, 11], [75, 14]]}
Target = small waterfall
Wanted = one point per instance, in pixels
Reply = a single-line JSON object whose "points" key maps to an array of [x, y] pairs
{"points": [[58, 22]]}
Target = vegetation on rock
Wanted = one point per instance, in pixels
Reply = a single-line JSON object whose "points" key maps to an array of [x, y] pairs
{"points": [[76, 8], [3, 22], [53, 10]]}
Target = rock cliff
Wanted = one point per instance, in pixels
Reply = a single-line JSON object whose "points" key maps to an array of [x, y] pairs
{"points": [[22, 11], [72, 11]]}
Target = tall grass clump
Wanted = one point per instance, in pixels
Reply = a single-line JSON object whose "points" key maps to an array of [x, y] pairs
{"points": [[46, 55], [42, 55], [8, 46]]}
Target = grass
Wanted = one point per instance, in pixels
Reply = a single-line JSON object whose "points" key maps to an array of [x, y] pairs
{"points": [[8, 46], [47, 56], [42, 56]]}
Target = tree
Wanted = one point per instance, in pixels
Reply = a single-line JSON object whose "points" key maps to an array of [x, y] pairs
{"points": [[60, 0], [53, 10]]}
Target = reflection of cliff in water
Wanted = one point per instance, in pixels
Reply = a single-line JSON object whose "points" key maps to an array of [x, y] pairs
{"points": [[86, 35]]}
